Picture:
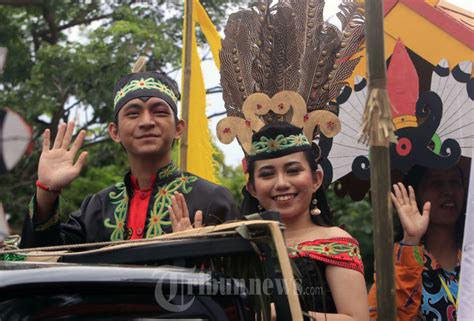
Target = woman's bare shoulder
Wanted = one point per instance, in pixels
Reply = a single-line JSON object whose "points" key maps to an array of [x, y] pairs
{"points": [[329, 232]]}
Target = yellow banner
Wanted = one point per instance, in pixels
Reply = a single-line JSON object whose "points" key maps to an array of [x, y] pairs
{"points": [[200, 150]]}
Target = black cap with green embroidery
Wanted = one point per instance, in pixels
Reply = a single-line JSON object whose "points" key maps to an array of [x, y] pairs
{"points": [[144, 85]]}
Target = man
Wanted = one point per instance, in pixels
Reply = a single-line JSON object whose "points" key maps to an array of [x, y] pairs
{"points": [[145, 124]]}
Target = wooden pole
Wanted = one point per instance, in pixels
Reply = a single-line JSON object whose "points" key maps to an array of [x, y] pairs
{"points": [[379, 132], [187, 82]]}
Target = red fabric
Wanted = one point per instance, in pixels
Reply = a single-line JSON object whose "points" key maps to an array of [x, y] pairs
{"points": [[339, 251], [138, 209]]}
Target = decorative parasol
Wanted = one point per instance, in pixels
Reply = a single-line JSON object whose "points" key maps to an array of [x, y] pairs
{"points": [[15, 133], [434, 127]]}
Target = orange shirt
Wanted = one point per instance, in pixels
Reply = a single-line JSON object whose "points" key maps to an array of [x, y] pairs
{"points": [[411, 262]]}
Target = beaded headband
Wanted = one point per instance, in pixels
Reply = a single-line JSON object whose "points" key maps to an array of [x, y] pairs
{"points": [[143, 84]]}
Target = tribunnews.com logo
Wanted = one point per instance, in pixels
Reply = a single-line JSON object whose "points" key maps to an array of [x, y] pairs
{"points": [[177, 294]]}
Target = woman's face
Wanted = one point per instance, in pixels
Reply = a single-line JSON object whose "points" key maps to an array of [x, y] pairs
{"points": [[285, 184], [445, 190]]}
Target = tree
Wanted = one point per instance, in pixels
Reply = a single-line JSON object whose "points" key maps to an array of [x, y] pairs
{"points": [[64, 58]]}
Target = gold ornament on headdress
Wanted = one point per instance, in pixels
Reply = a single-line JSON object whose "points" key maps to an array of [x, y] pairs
{"points": [[289, 53]]}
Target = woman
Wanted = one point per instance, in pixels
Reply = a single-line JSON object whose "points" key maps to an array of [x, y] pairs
{"points": [[284, 177], [427, 260]]}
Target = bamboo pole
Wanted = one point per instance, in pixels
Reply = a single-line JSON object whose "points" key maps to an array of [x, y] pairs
{"points": [[187, 82], [378, 131]]}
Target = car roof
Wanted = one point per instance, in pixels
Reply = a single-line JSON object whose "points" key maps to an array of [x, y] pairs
{"points": [[27, 273]]}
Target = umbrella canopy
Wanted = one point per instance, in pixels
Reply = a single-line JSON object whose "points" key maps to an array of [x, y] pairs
{"points": [[15, 139], [433, 111], [15, 133], [451, 26]]}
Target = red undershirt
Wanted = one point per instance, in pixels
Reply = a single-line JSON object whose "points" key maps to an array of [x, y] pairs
{"points": [[138, 208]]}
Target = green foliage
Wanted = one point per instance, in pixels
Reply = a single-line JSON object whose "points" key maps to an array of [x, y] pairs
{"points": [[356, 219], [234, 179], [64, 59]]}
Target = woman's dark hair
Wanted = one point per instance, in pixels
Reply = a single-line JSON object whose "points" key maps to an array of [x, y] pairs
{"points": [[250, 203], [414, 179]]}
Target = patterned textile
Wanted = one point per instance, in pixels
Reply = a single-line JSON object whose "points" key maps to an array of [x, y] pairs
{"points": [[269, 145], [311, 259], [104, 216], [420, 293], [12, 257], [340, 251], [140, 84], [144, 84], [276, 140], [435, 303]]}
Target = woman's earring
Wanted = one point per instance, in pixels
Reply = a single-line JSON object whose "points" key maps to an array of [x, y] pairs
{"points": [[260, 208], [315, 211]]}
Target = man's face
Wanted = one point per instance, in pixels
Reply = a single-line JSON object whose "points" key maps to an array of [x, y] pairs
{"points": [[146, 128]]}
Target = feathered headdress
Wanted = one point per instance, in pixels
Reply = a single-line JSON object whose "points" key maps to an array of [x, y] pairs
{"points": [[285, 63]]}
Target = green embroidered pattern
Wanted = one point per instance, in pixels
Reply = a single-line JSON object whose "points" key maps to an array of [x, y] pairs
{"points": [[120, 199], [149, 83], [167, 171], [329, 249], [12, 257], [159, 215], [269, 145]]}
